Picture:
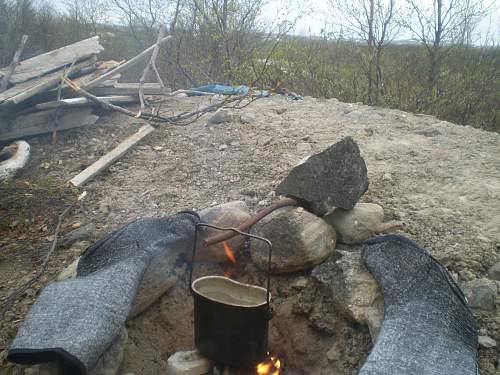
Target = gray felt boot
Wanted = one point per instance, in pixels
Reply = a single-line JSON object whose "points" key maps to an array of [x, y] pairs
{"points": [[428, 328]]}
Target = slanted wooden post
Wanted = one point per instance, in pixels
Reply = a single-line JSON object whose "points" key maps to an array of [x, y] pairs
{"points": [[15, 61], [149, 65]]}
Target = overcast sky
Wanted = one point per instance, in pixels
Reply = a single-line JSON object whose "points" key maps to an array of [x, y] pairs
{"points": [[316, 16]]}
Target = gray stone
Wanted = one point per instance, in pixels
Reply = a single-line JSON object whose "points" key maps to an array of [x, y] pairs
{"points": [[429, 132], [354, 114], [229, 214], [221, 116], [247, 118], [188, 363], [336, 177], [494, 272], [300, 240], [280, 111], [487, 342], [357, 225], [481, 294], [81, 234], [353, 289]]}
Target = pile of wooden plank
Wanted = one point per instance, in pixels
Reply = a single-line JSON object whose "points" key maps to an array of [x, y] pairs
{"points": [[34, 98]]}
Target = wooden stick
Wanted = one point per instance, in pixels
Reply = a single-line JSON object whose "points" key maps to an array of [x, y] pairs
{"points": [[65, 75], [150, 64], [15, 62], [108, 159], [224, 236], [7, 304], [95, 99], [125, 65], [155, 116]]}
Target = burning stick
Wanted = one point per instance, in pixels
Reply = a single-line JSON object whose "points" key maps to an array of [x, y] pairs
{"points": [[224, 236]]}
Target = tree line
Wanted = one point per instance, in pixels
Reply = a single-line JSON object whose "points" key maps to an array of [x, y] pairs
{"points": [[443, 70]]}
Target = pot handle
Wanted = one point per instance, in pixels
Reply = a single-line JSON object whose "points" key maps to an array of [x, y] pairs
{"points": [[268, 243]]}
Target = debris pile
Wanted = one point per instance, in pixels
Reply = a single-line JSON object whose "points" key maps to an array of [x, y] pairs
{"points": [[36, 96]]}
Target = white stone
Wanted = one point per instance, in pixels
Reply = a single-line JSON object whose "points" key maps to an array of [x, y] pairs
{"points": [[487, 342], [247, 118], [304, 148], [222, 115], [9, 167], [188, 363], [69, 271]]}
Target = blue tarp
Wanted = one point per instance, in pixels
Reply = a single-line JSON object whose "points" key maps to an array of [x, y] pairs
{"points": [[223, 90], [227, 90]]}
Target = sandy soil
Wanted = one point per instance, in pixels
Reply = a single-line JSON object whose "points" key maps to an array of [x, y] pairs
{"points": [[440, 179]]}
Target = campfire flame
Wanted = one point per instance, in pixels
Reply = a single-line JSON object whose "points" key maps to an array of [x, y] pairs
{"points": [[229, 252], [270, 367]]}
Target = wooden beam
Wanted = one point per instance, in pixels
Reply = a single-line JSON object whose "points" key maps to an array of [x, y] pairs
{"points": [[45, 122], [40, 65], [13, 65], [105, 161], [83, 102], [141, 56]]}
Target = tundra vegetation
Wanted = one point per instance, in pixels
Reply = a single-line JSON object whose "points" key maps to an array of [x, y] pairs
{"points": [[445, 67]]}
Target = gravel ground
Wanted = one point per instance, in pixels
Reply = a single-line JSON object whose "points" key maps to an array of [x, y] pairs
{"points": [[440, 179]]}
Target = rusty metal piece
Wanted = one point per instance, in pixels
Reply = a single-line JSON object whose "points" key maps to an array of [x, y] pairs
{"points": [[224, 236]]}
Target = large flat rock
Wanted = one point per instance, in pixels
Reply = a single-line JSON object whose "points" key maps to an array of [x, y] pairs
{"points": [[336, 177]]}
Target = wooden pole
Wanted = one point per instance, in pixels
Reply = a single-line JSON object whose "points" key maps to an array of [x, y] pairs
{"points": [[151, 64]]}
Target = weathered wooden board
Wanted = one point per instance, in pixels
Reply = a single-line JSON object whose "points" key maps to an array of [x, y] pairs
{"points": [[83, 102], [40, 65], [108, 159], [130, 89], [45, 122], [19, 93]]}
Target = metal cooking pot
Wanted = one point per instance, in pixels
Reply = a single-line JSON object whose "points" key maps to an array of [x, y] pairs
{"points": [[231, 319]]}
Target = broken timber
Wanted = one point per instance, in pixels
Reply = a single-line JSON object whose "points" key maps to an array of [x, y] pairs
{"points": [[46, 122], [108, 159], [51, 61], [83, 102], [19, 93]]}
